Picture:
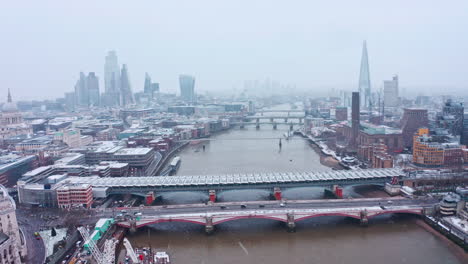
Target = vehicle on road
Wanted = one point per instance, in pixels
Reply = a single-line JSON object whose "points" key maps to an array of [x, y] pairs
{"points": [[222, 207], [282, 204], [261, 205], [243, 206]]}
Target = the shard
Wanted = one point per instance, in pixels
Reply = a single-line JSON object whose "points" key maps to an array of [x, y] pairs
{"points": [[364, 79]]}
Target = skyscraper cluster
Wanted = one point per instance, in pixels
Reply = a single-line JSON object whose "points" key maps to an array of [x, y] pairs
{"points": [[118, 90], [87, 90], [150, 88]]}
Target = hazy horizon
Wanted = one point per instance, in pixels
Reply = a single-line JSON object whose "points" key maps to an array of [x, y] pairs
{"points": [[316, 46]]}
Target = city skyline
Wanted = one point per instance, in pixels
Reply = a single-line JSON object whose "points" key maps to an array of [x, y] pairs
{"points": [[222, 56]]}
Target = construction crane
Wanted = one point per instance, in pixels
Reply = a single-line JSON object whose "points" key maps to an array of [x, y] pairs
{"points": [[109, 250], [97, 254], [130, 251]]}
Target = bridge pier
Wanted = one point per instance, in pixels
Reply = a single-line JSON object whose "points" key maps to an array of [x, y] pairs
{"points": [[338, 191], [149, 198], [242, 125], [133, 227], [364, 220], [212, 195], [285, 120], [271, 120], [291, 127], [300, 121], [291, 223], [274, 125], [277, 193], [257, 126], [209, 227]]}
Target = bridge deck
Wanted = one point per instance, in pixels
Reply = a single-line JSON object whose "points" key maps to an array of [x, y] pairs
{"points": [[241, 179]]}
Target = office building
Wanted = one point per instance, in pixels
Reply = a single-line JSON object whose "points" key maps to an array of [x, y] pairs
{"points": [[187, 88], [75, 195], [111, 73], [464, 136], [341, 113], [412, 120], [92, 83], [147, 88], [81, 91], [451, 117], [150, 89], [111, 95], [391, 92], [70, 101], [427, 152], [126, 95], [364, 79]]}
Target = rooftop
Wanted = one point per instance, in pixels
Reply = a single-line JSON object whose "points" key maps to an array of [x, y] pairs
{"points": [[10, 161], [133, 151]]}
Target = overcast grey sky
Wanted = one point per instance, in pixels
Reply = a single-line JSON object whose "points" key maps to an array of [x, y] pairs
{"points": [[45, 44]]}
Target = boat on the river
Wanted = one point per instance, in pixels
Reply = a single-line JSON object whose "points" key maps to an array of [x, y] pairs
{"points": [[175, 164], [161, 258]]}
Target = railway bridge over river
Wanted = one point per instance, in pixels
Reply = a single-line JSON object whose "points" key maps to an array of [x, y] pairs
{"points": [[216, 183]]}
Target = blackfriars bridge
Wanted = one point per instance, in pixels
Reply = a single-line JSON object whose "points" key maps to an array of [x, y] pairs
{"points": [[289, 213]]}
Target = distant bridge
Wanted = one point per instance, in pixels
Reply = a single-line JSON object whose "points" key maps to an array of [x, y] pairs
{"points": [[281, 111], [142, 185]]}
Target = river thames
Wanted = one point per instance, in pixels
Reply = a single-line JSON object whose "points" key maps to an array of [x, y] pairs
{"points": [[387, 239]]}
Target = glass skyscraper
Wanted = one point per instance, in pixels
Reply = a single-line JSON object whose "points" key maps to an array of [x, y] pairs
{"points": [[187, 88], [364, 79]]}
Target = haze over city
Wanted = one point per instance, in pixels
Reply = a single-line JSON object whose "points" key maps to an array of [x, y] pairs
{"points": [[315, 46], [217, 132]]}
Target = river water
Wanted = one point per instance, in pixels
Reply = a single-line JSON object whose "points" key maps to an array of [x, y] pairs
{"points": [[387, 239]]}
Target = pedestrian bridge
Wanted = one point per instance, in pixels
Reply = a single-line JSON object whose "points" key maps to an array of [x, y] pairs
{"points": [[239, 181]]}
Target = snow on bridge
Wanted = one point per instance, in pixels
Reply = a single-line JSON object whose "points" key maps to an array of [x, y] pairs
{"points": [[232, 180], [286, 215]]}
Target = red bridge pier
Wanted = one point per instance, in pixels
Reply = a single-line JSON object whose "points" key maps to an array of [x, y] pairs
{"points": [[212, 195], [149, 198], [338, 191], [277, 193]]}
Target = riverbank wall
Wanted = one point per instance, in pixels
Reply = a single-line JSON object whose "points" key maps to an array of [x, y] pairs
{"points": [[445, 231], [326, 158], [168, 156]]}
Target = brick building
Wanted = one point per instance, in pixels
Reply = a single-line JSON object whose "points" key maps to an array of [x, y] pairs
{"points": [[376, 155], [412, 120], [430, 153], [79, 195]]}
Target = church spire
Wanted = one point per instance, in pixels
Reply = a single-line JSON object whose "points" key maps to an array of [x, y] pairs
{"points": [[9, 96]]}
